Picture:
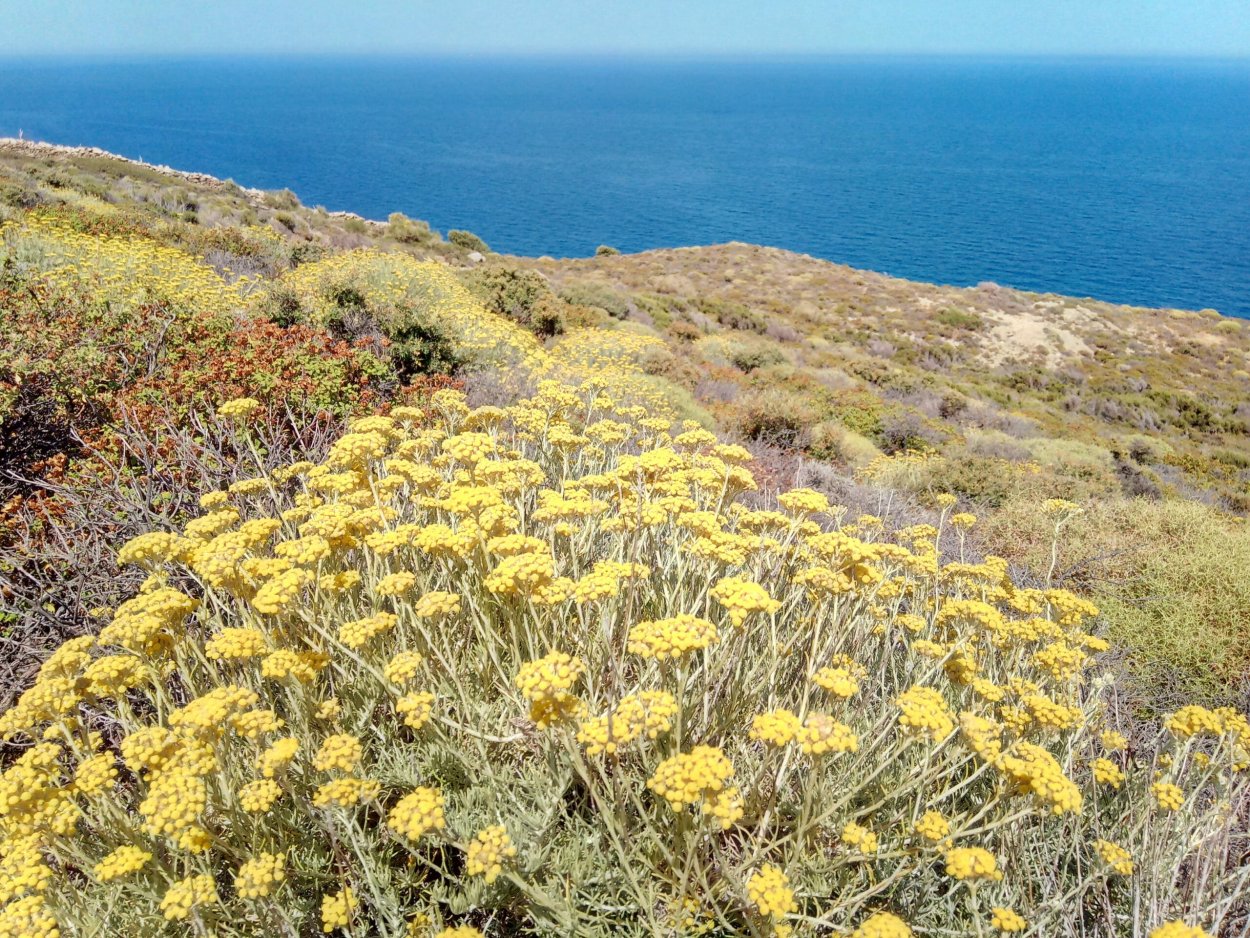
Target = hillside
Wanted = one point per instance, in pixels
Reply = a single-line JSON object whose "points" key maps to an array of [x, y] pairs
{"points": [[356, 579], [983, 367], [886, 390]]}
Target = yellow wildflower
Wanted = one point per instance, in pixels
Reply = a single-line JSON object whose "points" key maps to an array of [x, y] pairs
{"points": [[258, 877], [882, 925], [417, 813], [1007, 920], [187, 895], [972, 863], [1115, 856], [488, 851], [769, 890], [337, 909], [121, 862]]}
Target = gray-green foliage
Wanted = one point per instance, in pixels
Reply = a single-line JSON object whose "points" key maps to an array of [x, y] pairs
{"points": [[467, 240]]}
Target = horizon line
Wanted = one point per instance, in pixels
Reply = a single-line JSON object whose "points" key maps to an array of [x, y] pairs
{"points": [[617, 55]]}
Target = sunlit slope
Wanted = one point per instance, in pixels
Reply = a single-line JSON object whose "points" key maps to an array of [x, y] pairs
{"points": [[539, 668]]}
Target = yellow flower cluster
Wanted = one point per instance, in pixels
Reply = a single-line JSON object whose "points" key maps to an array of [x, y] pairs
{"points": [[337, 909], [345, 792], [933, 827], [238, 408], [258, 796], [488, 851], [235, 644], [648, 713], [260, 876], [1107, 772], [1007, 920], [359, 632], [883, 925], [415, 708], [1168, 796], [28, 917], [671, 638], [1034, 770], [126, 270], [341, 752], [123, 861], [777, 728], [546, 682], [802, 502], [188, 895], [699, 777], [437, 603], [925, 712], [417, 813], [972, 863], [1115, 857], [403, 667], [743, 598], [1178, 929], [841, 679], [769, 890], [275, 759], [1193, 720], [583, 557], [860, 838], [822, 734]]}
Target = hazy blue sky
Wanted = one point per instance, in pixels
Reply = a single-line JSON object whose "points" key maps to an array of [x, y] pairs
{"points": [[1081, 27]]}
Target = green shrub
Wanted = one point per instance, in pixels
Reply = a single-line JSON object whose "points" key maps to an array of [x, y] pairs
{"points": [[584, 293], [732, 315], [748, 358], [1170, 579], [509, 291], [959, 319], [283, 199], [18, 196], [986, 480], [906, 431], [776, 417], [605, 250], [306, 252], [862, 418], [409, 230], [746, 353], [547, 317], [684, 331], [281, 305], [834, 443], [415, 344], [467, 240], [419, 347]]}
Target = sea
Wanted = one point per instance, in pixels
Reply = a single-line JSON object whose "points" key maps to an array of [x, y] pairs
{"points": [[1125, 180]]}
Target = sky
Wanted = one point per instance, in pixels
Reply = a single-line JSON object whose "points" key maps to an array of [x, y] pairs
{"points": [[1207, 28]]}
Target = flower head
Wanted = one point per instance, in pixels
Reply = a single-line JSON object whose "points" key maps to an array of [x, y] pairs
{"points": [[260, 876], [1007, 920], [769, 890], [490, 848], [187, 895], [882, 925], [972, 863], [417, 813]]}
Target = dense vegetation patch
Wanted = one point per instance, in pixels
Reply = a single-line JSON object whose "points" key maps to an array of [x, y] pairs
{"points": [[457, 619], [539, 669]]}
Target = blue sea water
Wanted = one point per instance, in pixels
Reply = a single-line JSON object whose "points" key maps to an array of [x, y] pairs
{"points": [[1122, 180]]}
